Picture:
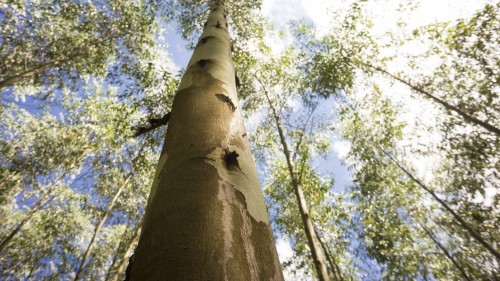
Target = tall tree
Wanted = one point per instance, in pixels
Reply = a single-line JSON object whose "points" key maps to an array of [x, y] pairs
{"points": [[206, 183]]}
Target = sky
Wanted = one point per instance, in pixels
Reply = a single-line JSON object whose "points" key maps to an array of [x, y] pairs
{"points": [[385, 14]]}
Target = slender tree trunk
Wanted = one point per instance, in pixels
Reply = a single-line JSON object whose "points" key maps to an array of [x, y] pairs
{"points": [[90, 247], [312, 238], [329, 257], [467, 117], [111, 268], [30, 214], [130, 249], [123, 240], [206, 218], [462, 222], [446, 253]]}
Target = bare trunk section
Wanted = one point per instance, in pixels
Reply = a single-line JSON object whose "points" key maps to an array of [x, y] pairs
{"points": [[90, 247], [467, 117], [206, 218], [312, 238], [457, 217], [30, 214]]}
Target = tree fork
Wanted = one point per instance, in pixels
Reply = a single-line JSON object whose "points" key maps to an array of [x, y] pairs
{"points": [[206, 219]]}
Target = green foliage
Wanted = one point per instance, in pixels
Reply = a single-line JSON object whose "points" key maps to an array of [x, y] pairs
{"points": [[58, 44]]}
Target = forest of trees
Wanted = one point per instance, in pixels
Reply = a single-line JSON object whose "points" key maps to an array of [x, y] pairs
{"points": [[371, 152]]}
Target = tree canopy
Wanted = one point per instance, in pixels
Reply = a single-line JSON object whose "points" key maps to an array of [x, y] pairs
{"points": [[386, 138]]}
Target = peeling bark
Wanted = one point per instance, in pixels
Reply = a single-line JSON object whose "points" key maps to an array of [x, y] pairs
{"points": [[206, 218]]}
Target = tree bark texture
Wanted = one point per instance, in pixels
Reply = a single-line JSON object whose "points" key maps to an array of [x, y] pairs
{"points": [[206, 218]]}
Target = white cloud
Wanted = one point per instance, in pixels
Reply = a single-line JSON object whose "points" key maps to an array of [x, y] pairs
{"points": [[341, 148]]}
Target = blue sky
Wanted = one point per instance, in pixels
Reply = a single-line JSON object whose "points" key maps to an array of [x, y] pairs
{"points": [[385, 15]]}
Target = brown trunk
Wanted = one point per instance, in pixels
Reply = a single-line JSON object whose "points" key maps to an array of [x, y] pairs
{"points": [[206, 218], [90, 247], [462, 222], [467, 117], [312, 238]]}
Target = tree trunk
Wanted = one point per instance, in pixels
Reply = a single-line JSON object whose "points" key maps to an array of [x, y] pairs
{"points": [[206, 218], [462, 222], [312, 238], [131, 246], [335, 268], [467, 117], [90, 247], [123, 240]]}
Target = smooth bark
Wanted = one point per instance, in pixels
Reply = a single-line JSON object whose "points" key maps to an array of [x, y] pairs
{"points": [[457, 217], [98, 228], [312, 238], [206, 218]]}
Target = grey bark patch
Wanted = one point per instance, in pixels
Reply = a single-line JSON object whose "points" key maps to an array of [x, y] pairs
{"points": [[227, 100]]}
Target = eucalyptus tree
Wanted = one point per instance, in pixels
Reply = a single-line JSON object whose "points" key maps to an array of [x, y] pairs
{"points": [[85, 154], [206, 181], [469, 150], [470, 61], [274, 90], [391, 205], [41, 157]]}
